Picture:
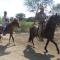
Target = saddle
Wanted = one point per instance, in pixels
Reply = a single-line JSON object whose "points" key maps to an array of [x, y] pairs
{"points": [[44, 25]]}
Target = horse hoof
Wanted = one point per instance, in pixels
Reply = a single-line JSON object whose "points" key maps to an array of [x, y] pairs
{"points": [[14, 45], [33, 46], [46, 51]]}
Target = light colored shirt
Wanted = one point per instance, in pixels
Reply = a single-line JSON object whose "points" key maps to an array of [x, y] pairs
{"points": [[5, 21]]}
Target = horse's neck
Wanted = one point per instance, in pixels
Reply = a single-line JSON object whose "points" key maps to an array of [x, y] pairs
{"points": [[11, 25], [51, 25]]}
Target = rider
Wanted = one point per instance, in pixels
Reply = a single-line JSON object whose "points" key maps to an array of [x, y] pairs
{"points": [[41, 16], [5, 21]]}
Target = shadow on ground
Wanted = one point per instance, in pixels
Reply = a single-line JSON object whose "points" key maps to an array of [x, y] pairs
{"points": [[3, 50], [32, 55]]}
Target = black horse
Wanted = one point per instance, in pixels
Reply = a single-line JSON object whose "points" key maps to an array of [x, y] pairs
{"points": [[47, 33]]}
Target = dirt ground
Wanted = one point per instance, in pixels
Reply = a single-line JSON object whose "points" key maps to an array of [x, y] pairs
{"points": [[25, 51]]}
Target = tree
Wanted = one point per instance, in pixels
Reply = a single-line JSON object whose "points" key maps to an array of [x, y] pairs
{"points": [[20, 16], [56, 8], [30, 19], [34, 5]]}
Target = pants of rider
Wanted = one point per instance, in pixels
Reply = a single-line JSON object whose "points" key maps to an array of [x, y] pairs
{"points": [[40, 37], [39, 32], [4, 33]]}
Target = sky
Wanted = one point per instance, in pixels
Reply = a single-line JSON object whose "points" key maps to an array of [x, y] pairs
{"points": [[15, 6]]}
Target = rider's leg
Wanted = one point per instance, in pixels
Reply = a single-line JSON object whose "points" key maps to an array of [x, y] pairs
{"points": [[40, 32], [4, 27]]}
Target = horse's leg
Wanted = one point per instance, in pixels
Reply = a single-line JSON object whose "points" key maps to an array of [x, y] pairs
{"points": [[13, 39], [32, 42], [46, 46], [10, 38], [55, 45], [31, 38]]}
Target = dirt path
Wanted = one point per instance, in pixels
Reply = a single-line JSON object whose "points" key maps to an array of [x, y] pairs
{"points": [[23, 51]]}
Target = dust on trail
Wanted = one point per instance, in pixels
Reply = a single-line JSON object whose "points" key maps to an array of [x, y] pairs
{"points": [[24, 51]]}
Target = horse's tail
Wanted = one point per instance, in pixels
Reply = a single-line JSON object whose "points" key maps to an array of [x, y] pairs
{"points": [[33, 33]]}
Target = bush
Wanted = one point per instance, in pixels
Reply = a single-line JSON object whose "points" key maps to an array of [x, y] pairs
{"points": [[25, 26], [0, 20]]}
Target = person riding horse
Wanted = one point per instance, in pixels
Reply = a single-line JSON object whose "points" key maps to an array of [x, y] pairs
{"points": [[10, 29], [41, 16], [48, 32], [5, 21]]}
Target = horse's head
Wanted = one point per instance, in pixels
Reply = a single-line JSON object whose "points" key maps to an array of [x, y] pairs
{"points": [[15, 22], [55, 19]]}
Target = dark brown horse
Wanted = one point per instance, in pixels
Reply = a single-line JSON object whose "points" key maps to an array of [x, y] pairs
{"points": [[10, 28], [48, 33]]}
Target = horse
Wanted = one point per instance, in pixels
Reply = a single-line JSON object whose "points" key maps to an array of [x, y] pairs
{"points": [[47, 33], [9, 29]]}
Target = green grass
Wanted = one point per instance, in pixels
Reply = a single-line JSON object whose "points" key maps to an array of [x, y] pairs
{"points": [[25, 26], [0, 21]]}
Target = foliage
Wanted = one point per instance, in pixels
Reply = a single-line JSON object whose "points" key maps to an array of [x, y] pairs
{"points": [[56, 8], [33, 4], [0, 20], [30, 19], [25, 26], [20, 16]]}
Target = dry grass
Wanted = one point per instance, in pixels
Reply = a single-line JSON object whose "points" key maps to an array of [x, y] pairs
{"points": [[23, 51]]}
